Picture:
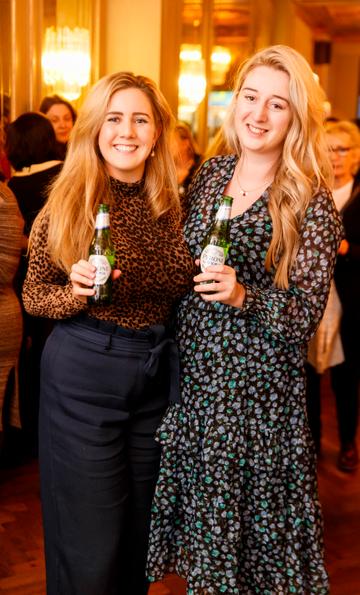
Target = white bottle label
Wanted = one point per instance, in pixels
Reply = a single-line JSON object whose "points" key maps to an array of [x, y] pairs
{"points": [[102, 220], [103, 268], [211, 255], [223, 213]]}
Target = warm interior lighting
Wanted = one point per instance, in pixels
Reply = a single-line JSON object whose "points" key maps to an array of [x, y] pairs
{"points": [[66, 60], [192, 80], [220, 62]]}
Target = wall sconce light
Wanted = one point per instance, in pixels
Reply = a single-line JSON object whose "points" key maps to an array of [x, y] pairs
{"points": [[66, 60]]}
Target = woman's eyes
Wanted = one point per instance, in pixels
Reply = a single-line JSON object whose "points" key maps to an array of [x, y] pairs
{"points": [[273, 105], [117, 119], [276, 106]]}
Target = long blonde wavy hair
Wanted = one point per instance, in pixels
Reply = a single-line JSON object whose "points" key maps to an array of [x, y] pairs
{"points": [[84, 181], [304, 166]]}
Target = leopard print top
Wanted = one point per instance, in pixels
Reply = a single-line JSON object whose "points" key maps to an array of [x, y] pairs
{"points": [[153, 258]]}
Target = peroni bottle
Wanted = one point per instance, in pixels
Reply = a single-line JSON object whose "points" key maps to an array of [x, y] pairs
{"points": [[217, 241], [102, 256]]}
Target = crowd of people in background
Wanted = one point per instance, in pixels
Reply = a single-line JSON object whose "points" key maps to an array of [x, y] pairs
{"points": [[266, 312]]}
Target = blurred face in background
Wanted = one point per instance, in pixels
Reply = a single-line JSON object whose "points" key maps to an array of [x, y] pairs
{"points": [[343, 156], [181, 146], [61, 118]]}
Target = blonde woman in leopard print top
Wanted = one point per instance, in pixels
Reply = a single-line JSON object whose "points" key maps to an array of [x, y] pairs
{"points": [[107, 372]]}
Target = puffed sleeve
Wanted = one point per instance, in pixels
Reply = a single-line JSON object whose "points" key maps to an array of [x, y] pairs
{"points": [[293, 315], [47, 291]]}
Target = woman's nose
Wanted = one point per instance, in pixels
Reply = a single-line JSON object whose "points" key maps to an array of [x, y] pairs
{"points": [[260, 111], [126, 128]]}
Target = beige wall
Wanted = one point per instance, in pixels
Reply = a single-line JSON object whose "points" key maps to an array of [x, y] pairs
{"points": [[344, 83], [132, 37]]}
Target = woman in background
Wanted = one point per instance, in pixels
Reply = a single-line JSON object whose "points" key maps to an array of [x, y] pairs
{"points": [[32, 152], [62, 116], [336, 344], [187, 159]]}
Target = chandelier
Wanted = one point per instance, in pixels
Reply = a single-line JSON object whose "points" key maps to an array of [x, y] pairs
{"points": [[66, 60]]}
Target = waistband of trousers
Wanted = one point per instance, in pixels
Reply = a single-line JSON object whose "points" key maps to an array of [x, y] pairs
{"points": [[150, 333], [156, 340]]}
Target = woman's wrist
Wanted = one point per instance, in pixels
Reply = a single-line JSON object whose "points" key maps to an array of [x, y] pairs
{"points": [[240, 296]]}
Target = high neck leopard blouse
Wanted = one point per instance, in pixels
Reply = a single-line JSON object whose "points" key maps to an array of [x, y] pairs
{"points": [[156, 267]]}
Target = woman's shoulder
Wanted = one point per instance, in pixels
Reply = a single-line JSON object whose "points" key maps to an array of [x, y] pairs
{"points": [[322, 199], [213, 169], [322, 212], [217, 162]]}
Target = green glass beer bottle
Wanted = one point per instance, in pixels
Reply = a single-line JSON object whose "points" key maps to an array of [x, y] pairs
{"points": [[102, 256], [217, 241]]}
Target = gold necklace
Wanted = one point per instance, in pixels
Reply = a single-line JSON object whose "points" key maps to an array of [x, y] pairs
{"points": [[246, 192]]}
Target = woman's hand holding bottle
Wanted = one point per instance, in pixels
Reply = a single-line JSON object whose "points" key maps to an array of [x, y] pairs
{"points": [[82, 277], [219, 284]]}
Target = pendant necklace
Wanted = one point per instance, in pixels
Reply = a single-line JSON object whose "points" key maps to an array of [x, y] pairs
{"points": [[246, 192]]}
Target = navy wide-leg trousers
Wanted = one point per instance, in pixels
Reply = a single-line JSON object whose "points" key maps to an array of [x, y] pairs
{"points": [[99, 411]]}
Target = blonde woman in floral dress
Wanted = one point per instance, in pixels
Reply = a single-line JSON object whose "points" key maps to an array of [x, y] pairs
{"points": [[236, 509]]}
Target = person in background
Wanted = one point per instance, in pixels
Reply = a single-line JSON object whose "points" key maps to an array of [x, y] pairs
{"points": [[187, 158], [336, 343], [236, 508], [11, 242], [62, 116], [31, 150], [108, 372]]}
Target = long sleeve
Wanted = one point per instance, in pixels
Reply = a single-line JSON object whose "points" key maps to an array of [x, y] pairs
{"points": [[293, 315], [47, 291]]}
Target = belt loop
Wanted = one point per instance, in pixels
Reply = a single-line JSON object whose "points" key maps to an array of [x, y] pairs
{"points": [[109, 343]]}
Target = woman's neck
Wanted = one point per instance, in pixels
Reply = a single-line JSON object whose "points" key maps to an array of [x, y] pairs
{"points": [[340, 181], [252, 167]]}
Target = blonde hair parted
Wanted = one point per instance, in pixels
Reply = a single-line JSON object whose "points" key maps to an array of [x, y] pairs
{"points": [[84, 181], [304, 165]]}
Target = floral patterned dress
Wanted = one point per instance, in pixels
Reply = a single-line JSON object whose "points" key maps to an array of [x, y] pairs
{"points": [[236, 509]]}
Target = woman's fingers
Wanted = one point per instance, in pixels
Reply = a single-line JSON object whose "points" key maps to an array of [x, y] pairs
{"points": [[219, 283], [115, 274], [82, 277]]}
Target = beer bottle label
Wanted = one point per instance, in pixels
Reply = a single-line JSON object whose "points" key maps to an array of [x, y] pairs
{"points": [[103, 268], [102, 220], [224, 212], [211, 255]]}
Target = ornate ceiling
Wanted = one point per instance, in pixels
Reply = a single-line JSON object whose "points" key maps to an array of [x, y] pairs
{"points": [[335, 19]]}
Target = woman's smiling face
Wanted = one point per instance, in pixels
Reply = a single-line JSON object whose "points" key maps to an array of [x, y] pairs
{"points": [[263, 112], [127, 134]]}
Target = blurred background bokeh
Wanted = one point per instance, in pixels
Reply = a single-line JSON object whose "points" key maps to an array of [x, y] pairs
{"points": [[190, 47]]}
